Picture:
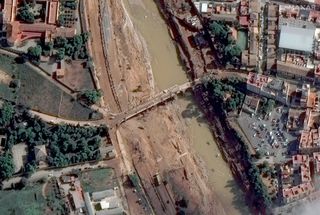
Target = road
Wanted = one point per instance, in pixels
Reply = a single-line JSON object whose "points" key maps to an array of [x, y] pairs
{"points": [[59, 171], [98, 54]]}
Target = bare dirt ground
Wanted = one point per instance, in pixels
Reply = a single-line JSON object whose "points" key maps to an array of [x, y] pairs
{"points": [[158, 143], [98, 54], [155, 142], [5, 78]]}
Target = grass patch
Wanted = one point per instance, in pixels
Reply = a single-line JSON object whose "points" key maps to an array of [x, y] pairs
{"points": [[242, 39], [28, 201], [38, 93], [98, 180]]}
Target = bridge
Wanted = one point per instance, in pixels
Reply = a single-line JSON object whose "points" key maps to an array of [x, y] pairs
{"points": [[159, 98], [114, 120]]}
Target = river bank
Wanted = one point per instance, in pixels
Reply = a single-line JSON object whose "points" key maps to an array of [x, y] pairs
{"points": [[144, 17]]}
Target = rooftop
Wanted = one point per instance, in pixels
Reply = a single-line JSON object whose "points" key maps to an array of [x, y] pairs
{"points": [[295, 38]]}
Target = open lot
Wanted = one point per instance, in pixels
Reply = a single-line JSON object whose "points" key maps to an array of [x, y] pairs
{"points": [[268, 136], [38, 93], [27, 201], [77, 77], [98, 179], [19, 153]]}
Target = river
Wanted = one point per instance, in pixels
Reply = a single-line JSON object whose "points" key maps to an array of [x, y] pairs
{"points": [[168, 72]]}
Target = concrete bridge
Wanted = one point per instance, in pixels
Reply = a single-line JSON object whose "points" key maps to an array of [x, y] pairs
{"points": [[159, 98]]}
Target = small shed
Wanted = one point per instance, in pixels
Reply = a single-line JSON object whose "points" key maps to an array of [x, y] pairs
{"points": [[60, 71], [40, 153]]}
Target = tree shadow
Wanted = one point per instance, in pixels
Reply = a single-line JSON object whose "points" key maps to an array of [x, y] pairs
{"points": [[238, 200]]}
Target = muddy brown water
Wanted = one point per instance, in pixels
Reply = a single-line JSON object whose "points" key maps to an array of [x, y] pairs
{"points": [[168, 72]]}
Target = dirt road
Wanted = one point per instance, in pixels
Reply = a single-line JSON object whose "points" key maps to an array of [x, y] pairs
{"points": [[101, 66]]}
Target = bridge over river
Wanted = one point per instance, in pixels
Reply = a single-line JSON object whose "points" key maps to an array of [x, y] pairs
{"points": [[114, 120], [159, 98]]}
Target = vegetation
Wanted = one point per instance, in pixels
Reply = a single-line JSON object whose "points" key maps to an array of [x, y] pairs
{"points": [[26, 201], [24, 14], [34, 53], [266, 106], [47, 48], [71, 4], [54, 199], [6, 166], [91, 96], [228, 51], [225, 93], [52, 100], [97, 179], [73, 47], [60, 54], [66, 144]]}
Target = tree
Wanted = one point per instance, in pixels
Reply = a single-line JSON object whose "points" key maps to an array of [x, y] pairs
{"points": [[218, 30], [7, 113], [232, 50], [34, 53], [61, 20], [60, 42], [6, 166], [60, 54], [25, 15], [47, 49], [91, 96]]}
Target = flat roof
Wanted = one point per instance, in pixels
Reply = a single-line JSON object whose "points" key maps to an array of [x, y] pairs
{"points": [[294, 38]]}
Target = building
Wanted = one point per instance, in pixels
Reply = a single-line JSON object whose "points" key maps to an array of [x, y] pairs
{"points": [[295, 52], [296, 118], [316, 160], [266, 86], [40, 153], [296, 178], [214, 10], [97, 196], [60, 71], [249, 57], [250, 104], [296, 192], [46, 29], [301, 163], [272, 37], [296, 40]]}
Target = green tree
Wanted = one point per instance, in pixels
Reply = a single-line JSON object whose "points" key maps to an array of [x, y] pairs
{"points": [[47, 48], [61, 20], [25, 15], [7, 113], [232, 50], [34, 53], [60, 42], [218, 30], [60, 54], [91, 96], [6, 166]]}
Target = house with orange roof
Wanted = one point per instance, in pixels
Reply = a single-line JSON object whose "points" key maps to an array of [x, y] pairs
{"points": [[47, 30], [269, 87], [296, 192]]}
